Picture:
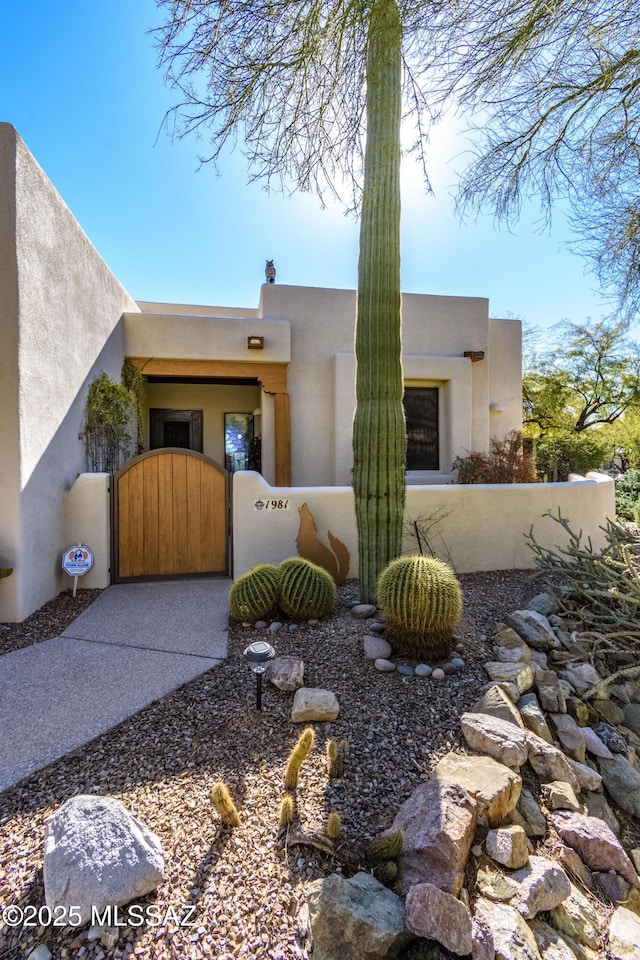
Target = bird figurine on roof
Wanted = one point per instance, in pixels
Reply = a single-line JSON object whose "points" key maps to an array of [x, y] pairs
{"points": [[270, 272]]}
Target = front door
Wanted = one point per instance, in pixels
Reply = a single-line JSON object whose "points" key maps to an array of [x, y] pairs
{"points": [[170, 516]]}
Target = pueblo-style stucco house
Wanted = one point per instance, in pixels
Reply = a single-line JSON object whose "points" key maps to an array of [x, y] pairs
{"points": [[214, 378]]}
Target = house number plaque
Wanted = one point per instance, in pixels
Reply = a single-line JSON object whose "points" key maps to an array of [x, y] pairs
{"points": [[270, 504]]}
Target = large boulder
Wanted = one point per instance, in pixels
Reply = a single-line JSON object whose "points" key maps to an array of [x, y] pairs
{"points": [[436, 915], [498, 738], [494, 786], [96, 854], [356, 918], [438, 821], [512, 937], [622, 780], [595, 843]]}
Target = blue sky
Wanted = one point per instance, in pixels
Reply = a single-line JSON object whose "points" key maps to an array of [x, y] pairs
{"points": [[79, 81]]}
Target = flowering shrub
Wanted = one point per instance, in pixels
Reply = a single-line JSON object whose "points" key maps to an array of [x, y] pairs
{"points": [[505, 463]]}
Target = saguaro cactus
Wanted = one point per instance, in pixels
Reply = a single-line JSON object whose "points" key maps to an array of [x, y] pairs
{"points": [[379, 435]]}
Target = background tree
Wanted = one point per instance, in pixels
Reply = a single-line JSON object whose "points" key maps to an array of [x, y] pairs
{"points": [[556, 87], [588, 377], [304, 84]]}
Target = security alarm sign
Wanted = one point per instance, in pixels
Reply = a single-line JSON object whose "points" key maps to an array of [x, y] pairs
{"points": [[77, 560]]}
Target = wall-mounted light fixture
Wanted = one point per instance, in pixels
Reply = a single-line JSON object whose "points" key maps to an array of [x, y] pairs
{"points": [[495, 408], [474, 355], [255, 343]]}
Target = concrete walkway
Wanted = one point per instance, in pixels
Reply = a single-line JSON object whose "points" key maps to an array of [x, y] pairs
{"points": [[134, 644]]}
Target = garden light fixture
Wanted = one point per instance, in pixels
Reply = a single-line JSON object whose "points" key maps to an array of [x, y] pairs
{"points": [[259, 655]]}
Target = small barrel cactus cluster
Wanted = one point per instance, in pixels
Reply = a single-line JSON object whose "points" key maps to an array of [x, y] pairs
{"points": [[300, 589], [421, 599]]}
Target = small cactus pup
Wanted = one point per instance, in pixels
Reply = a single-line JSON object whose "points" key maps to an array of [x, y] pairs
{"points": [[303, 747], [224, 805], [307, 591], [422, 602], [333, 828], [254, 595], [386, 872], [336, 754], [388, 846], [287, 811]]}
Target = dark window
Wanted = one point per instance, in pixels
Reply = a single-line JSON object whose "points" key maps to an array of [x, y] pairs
{"points": [[421, 414], [176, 428]]}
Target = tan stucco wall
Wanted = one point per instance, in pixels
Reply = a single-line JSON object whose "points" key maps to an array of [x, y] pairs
{"points": [[483, 527], [213, 399], [504, 361], [87, 520], [63, 328]]}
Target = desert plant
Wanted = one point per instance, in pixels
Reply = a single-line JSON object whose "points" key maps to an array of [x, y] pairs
{"points": [[386, 872], [254, 595], [506, 462], [422, 602], [108, 422], [336, 755], [303, 747], [388, 846], [306, 590], [287, 811], [559, 455], [333, 827], [627, 495], [224, 804], [5, 572]]}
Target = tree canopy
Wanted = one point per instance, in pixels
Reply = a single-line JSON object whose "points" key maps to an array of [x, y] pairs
{"points": [[589, 376], [554, 88]]}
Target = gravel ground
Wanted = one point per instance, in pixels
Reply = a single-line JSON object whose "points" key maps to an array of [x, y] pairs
{"points": [[246, 885]]}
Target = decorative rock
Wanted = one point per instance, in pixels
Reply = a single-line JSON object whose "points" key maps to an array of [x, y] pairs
{"points": [[609, 711], [610, 737], [534, 628], [624, 935], [570, 736], [499, 739], [362, 611], [549, 762], [423, 670], [632, 716], [513, 940], [312, 703], [520, 674], [533, 717], [531, 812], [560, 796], [496, 703], [457, 662], [436, 915], [594, 842], [612, 887], [581, 712], [550, 692], [597, 806], [507, 637], [622, 781], [438, 674], [96, 853], [540, 886], [261, 624], [384, 666], [508, 845], [275, 626], [581, 676], [449, 669], [495, 787], [406, 670], [377, 627], [286, 673], [511, 648], [355, 918], [375, 648], [551, 944], [572, 863], [595, 745], [292, 627], [544, 603], [576, 918], [587, 777], [494, 885], [438, 821], [41, 952], [483, 946], [635, 857]]}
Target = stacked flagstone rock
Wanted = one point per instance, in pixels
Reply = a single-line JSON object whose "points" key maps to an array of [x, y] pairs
{"points": [[491, 867]]}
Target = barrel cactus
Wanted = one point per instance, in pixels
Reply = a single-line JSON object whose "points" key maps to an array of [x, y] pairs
{"points": [[254, 595], [306, 590], [422, 602]]}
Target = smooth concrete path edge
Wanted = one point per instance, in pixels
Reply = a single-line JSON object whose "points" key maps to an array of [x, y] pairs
{"points": [[131, 647]]}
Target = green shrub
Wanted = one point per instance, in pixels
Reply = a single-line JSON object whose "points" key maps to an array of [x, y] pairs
{"points": [[506, 462], [307, 591], [254, 595], [558, 456], [422, 602], [628, 495]]}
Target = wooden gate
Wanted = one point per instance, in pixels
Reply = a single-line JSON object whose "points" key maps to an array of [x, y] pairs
{"points": [[170, 516]]}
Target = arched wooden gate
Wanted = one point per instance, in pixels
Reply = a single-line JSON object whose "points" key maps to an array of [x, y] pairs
{"points": [[170, 516]]}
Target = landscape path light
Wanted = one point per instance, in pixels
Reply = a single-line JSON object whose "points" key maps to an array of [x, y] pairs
{"points": [[259, 655]]}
